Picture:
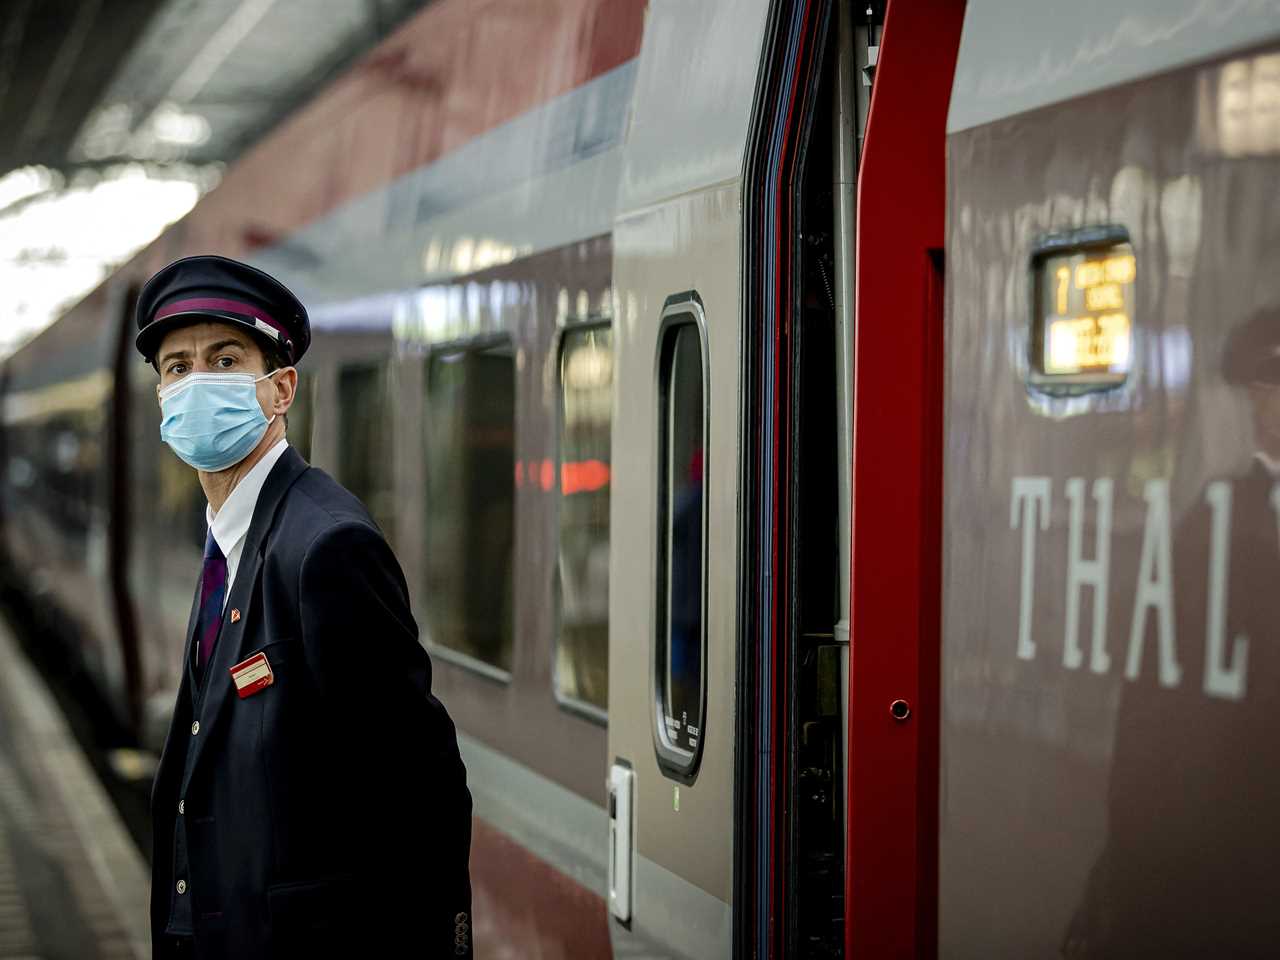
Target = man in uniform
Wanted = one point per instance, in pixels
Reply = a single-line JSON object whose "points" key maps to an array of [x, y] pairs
{"points": [[310, 800]]}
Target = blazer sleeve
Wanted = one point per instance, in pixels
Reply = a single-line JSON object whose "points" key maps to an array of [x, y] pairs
{"points": [[413, 809]]}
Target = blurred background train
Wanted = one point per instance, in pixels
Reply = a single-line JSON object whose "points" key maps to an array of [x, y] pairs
{"points": [[831, 448]]}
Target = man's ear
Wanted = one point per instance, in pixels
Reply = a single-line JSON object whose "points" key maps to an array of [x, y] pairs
{"points": [[286, 382]]}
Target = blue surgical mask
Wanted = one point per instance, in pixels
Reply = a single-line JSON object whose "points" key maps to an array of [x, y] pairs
{"points": [[213, 420]]}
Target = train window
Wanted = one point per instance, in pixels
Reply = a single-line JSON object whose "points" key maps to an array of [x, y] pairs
{"points": [[364, 440], [586, 411], [680, 646], [470, 470]]}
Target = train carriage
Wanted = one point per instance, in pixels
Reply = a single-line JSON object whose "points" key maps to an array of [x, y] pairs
{"points": [[832, 450]]}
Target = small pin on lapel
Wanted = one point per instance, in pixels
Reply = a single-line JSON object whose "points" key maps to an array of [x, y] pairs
{"points": [[235, 615]]}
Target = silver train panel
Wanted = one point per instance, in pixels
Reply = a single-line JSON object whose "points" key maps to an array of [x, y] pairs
{"points": [[678, 230], [693, 95], [544, 179], [675, 247], [1050, 52], [1111, 676]]}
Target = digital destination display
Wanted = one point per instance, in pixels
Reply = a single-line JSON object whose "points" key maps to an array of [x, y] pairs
{"points": [[1085, 315]]}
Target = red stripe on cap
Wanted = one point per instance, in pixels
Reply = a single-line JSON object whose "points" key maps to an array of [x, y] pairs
{"points": [[202, 304]]}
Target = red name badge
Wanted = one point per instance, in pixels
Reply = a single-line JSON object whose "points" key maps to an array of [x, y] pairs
{"points": [[252, 675]]}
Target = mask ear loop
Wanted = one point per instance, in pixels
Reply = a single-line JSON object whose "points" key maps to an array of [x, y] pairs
{"points": [[268, 376]]}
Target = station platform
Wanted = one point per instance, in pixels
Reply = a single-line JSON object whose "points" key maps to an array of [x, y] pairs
{"points": [[73, 885]]}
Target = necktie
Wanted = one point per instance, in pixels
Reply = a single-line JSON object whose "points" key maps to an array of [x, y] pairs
{"points": [[213, 587]]}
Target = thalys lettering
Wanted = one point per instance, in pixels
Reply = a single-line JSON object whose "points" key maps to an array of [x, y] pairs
{"points": [[1166, 564]]}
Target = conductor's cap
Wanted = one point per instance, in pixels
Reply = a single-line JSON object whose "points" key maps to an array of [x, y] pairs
{"points": [[218, 288]]}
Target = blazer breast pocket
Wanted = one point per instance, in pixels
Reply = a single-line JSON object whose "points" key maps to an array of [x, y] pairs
{"points": [[279, 650], [263, 669]]}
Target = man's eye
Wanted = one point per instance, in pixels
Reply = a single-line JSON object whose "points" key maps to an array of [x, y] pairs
{"points": [[177, 369], [225, 362]]}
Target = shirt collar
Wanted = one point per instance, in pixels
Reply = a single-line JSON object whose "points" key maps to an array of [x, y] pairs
{"points": [[230, 524]]}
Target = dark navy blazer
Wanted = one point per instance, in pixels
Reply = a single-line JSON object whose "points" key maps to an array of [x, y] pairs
{"points": [[328, 814]]}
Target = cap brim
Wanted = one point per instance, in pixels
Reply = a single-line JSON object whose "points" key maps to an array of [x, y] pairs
{"points": [[150, 337]]}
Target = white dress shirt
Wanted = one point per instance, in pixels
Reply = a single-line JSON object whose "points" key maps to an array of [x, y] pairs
{"points": [[230, 525]]}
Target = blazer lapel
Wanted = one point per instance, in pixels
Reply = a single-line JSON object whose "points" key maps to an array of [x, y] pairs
{"points": [[188, 660], [227, 653], [192, 620]]}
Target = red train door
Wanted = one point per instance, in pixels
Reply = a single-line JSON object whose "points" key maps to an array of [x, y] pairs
{"points": [[891, 845], [837, 737]]}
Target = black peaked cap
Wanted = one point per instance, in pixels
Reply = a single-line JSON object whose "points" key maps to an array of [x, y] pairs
{"points": [[219, 288]]}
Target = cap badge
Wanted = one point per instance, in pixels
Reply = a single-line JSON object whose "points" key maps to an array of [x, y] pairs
{"points": [[266, 328]]}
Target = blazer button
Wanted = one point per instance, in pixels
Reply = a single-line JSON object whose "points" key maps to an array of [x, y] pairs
{"points": [[195, 728], [182, 886], [182, 807], [460, 918]]}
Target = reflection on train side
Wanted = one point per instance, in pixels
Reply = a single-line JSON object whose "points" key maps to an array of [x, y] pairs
{"points": [[444, 312], [1183, 577], [1238, 113], [467, 254], [586, 413]]}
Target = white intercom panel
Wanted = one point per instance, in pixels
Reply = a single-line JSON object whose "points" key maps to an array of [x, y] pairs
{"points": [[621, 792]]}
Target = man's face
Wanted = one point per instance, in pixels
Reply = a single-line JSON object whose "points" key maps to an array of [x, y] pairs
{"points": [[214, 347]]}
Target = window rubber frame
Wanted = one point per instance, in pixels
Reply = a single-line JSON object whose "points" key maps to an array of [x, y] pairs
{"points": [[676, 763]]}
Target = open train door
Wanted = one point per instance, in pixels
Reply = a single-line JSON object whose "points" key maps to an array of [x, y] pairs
{"points": [[843, 339], [895, 590]]}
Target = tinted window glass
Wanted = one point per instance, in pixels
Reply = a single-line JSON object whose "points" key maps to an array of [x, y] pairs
{"points": [[682, 492], [364, 440], [586, 409], [470, 471]]}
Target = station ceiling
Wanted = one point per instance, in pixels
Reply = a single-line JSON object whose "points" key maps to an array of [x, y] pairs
{"points": [[56, 56], [91, 83], [116, 115]]}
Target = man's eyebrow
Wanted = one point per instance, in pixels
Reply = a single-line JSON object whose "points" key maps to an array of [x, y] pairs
{"points": [[174, 355], [223, 344]]}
